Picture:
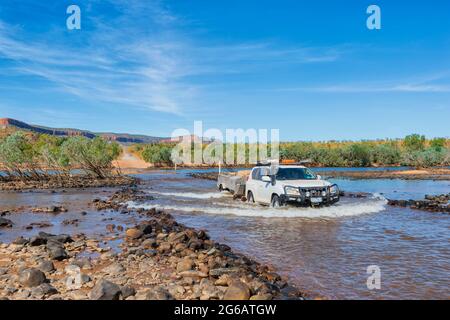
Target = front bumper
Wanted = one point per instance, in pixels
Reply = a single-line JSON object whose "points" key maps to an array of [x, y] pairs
{"points": [[313, 196]]}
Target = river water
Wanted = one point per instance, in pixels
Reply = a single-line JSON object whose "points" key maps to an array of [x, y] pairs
{"points": [[325, 252]]}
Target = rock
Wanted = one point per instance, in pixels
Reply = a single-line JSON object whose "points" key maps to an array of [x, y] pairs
{"points": [[22, 294], [20, 240], [193, 274], [52, 209], [221, 271], [149, 243], [56, 251], [209, 291], [73, 222], [177, 237], [158, 293], [42, 224], [110, 227], [114, 268], [84, 263], [145, 228], [237, 290], [185, 264], [261, 296], [134, 233], [5, 223], [105, 290], [31, 277], [165, 247], [43, 290], [72, 269], [223, 247], [37, 241], [127, 291], [161, 236], [180, 247], [223, 280], [46, 266]]}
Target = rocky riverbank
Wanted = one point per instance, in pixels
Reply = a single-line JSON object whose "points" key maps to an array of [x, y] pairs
{"points": [[156, 259], [72, 182], [439, 203]]}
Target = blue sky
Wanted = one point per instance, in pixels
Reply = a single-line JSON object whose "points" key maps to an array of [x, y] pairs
{"points": [[309, 68]]}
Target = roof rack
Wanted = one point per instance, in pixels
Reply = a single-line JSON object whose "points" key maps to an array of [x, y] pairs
{"points": [[267, 163], [293, 162]]}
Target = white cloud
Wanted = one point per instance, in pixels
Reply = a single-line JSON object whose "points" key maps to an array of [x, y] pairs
{"points": [[124, 61], [375, 87]]}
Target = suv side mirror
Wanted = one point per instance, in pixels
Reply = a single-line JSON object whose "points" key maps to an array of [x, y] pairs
{"points": [[266, 179]]}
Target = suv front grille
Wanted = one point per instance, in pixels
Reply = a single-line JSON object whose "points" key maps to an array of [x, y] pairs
{"points": [[314, 192]]}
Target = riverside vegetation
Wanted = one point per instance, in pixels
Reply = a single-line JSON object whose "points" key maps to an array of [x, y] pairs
{"points": [[40, 160], [414, 150]]}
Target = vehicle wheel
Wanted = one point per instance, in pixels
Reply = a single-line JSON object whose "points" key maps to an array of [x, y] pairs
{"points": [[220, 188], [250, 198], [276, 202]]}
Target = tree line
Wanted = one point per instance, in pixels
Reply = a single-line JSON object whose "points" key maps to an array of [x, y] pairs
{"points": [[27, 156], [414, 150]]}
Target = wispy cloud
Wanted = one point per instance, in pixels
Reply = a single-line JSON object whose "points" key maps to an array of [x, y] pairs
{"points": [[123, 61], [399, 87]]}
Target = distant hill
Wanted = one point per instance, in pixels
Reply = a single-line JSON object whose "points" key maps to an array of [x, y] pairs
{"points": [[125, 138]]}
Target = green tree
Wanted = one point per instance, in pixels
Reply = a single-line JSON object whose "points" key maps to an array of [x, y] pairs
{"points": [[93, 156], [414, 142], [18, 157], [158, 154], [438, 143]]}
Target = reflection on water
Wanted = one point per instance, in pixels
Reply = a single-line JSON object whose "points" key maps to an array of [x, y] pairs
{"points": [[325, 252]]}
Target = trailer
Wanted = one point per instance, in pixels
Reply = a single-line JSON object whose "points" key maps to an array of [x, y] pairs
{"points": [[233, 182]]}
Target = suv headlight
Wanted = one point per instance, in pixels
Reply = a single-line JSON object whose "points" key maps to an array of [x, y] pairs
{"points": [[334, 189], [292, 191]]}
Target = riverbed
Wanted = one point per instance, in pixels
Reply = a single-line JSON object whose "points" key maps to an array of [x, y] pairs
{"points": [[324, 252]]}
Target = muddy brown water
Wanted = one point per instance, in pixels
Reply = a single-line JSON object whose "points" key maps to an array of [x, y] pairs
{"points": [[324, 252]]}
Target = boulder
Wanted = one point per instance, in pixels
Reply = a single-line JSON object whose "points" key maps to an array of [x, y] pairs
{"points": [[158, 293], [56, 251], [261, 296], [165, 247], [43, 290], [46, 266], [20, 240], [134, 233], [145, 228], [37, 241], [5, 223], [221, 271], [105, 290], [114, 268], [127, 291], [237, 291], [185, 264], [31, 277]]}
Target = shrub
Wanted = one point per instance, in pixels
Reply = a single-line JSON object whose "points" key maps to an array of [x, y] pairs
{"points": [[438, 143], [414, 142], [157, 154], [93, 156]]}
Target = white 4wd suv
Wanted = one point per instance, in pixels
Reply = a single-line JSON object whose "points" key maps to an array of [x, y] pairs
{"points": [[289, 183]]}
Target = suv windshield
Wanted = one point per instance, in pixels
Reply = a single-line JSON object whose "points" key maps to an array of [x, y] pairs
{"points": [[295, 174]]}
